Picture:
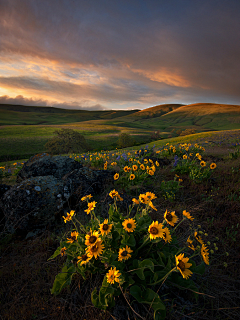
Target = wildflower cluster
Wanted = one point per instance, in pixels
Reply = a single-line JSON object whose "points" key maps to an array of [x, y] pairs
{"points": [[188, 159], [134, 252]]}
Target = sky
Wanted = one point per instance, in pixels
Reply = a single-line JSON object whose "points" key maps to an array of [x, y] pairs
{"points": [[119, 54]]}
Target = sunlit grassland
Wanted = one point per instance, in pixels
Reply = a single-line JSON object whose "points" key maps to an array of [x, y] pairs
{"points": [[24, 141]]}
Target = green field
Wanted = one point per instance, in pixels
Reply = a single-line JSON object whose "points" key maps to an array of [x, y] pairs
{"points": [[25, 130]]}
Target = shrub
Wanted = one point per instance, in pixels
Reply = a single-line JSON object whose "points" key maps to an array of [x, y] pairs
{"points": [[155, 135], [125, 140], [67, 141], [187, 132]]}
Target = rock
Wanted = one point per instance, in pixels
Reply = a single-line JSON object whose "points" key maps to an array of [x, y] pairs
{"points": [[40, 201], [32, 204], [84, 181], [3, 188], [44, 165]]}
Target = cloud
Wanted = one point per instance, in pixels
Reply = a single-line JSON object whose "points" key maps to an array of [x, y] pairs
{"points": [[121, 53], [20, 100]]}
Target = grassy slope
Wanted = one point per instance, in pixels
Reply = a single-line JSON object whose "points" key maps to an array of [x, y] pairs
{"points": [[23, 115], [102, 128]]}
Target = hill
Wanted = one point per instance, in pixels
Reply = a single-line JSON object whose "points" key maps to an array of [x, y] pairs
{"points": [[156, 111], [205, 116], [28, 115]]}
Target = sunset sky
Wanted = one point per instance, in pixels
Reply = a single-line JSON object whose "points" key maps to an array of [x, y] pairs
{"points": [[133, 54]]}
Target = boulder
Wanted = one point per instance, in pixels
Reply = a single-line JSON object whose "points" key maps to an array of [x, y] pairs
{"points": [[3, 189], [32, 204], [44, 165], [84, 181], [40, 201]]}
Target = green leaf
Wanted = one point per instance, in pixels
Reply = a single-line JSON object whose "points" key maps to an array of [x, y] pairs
{"points": [[142, 265], [150, 297], [144, 222], [128, 240], [136, 292], [200, 269], [56, 253], [182, 283], [63, 279]]}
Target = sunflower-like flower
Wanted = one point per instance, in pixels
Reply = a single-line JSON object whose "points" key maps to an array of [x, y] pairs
{"points": [[183, 265], [125, 169], [91, 206], [213, 165], [143, 198], [134, 167], [113, 275], [187, 215], [83, 259], [105, 166], [190, 245], [157, 163], [124, 253], [92, 238], [115, 195], [134, 200], [198, 238], [185, 156], [132, 176], [142, 166], [145, 161], [129, 225], [150, 196], [69, 216], [73, 237], [151, 172], [63, 250], [167, 235], [105, 228], [86, 197], [95, 250], [116, 176], [205, 253], [152, 206], [202, 163], [156, 230], [170, 217]]}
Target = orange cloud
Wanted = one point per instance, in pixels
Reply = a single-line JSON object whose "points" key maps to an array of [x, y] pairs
{"points": [[164, 75]]}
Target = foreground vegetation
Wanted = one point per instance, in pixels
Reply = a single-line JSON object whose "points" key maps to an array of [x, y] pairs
{"points": [[198, 175]]}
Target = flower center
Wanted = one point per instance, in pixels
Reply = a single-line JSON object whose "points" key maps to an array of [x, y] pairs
{"points": [[74, 238], [154, 230], [94, 248], [181, 265], [84, 257], [92, 239], [169, 216], [129, 225], [105, 226], [124, 253]]}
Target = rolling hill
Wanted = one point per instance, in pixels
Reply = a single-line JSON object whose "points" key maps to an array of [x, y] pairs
{"points": [[28, 115]]}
